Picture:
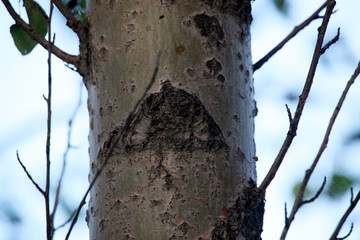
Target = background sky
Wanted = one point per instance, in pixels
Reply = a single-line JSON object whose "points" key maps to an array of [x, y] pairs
{"points": [[23, 122]]}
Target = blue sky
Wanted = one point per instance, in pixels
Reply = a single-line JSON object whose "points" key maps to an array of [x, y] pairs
{"points": [[23, 125]]}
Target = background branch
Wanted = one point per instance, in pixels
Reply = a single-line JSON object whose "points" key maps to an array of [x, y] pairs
{"points": [[292, 34], [353, 203], [72, 22], [334, 40], [49, 217], [29, 175], [68, 147], [299, 197], [302, 100]]}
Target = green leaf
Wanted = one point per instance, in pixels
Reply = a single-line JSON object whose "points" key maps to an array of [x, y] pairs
{"points": [[339, 185], [296, 189], [282, 5], [38, 20], [354, 137], [22, 40]]}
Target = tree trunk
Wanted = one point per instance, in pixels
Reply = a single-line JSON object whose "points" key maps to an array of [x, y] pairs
{"points": [[184, 169]]}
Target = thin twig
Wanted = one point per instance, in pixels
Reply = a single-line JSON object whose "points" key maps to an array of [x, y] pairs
{"points": [[29, 175], [68, 147], [71, 59], [72, 22], [285, 212], [348, 234], [302, 100], [66, 222], [114, 143], [49, 217], [334, 40], [299, 198], [292, 34], [353, 203], [316, 195], [289, 113]]}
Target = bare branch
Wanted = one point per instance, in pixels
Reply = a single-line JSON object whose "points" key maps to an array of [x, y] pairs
{"points": [[56, 202], [302, 100], [29, 175], [71, 59], [114, 143], [348, 234], [49, 217], [316, 195], [286, 217], [298, 201], [66, 222], [289, 113], [292, 34], [353, 204], [72, 22], [334, 40]]}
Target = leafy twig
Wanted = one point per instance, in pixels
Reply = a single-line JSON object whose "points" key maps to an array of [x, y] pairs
{"points": [[292, 34], [302, 100], [114, 143], [71, 59], [299, 198]]}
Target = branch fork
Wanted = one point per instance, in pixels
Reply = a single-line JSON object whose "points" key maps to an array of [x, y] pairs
{"points": [[72, 22]]}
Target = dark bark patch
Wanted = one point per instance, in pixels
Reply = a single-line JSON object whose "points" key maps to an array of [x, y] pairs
{"points": [[238, 8], [210, 28], [129, 44], [111, 4], [238, 54], [229, 133], [245, 217], [103, 52], [180, 49], [255, 110], [184, 228], [190, 72], [175, 119], [132, 14], [167, 1], [221, 78], [130, 27], [214, 66], [155, 203], [166, 217], [241, 67]]}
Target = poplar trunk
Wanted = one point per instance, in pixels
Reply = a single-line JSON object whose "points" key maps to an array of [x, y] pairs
{"points": [[184, 169]]}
